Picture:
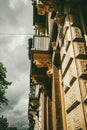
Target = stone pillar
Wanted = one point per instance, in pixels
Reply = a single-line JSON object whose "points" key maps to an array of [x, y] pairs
{"points": [[49, 114], [54, 107], [56, 101], [42, 112]]}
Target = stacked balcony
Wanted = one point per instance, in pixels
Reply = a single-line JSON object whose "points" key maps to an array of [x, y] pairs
{"points": [[40, 43], [33, 109], [40, 56], [40, 60], [34, 100]]}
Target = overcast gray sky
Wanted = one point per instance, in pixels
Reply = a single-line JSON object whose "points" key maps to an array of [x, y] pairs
{"points": [[16, 18]]}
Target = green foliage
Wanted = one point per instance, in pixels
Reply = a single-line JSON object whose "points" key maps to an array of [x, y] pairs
{"points": [[3, 85], [3, 123]]}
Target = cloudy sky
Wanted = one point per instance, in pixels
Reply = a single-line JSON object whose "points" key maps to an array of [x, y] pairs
{"points": [[15, 23]]}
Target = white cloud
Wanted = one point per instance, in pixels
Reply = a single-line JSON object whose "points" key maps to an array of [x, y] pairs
{"points": [[16, 3], [22, 106], [16, 41], [15, 17], [19, 111], [12, 3]]}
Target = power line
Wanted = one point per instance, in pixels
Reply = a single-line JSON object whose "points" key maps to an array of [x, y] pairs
{"points": [[15, 34]]}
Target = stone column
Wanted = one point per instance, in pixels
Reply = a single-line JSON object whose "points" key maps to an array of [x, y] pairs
{"points": [[56, 101]]}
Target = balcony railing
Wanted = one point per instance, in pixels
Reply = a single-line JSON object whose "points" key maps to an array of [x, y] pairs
{"points": [[40, 43]]}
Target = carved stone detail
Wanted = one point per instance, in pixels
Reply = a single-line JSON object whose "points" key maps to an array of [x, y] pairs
{"points": [[83, 85], [70, 77], [75, 119], [72, 98], [79, 49], [42, 60], [50, 72], [74, 34], [82, 68]]}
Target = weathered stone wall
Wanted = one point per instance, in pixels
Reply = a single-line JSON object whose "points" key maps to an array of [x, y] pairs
{"points": [[74, 70]]}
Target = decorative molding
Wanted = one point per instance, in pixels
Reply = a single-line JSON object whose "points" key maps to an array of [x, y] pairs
{"points": [[82, 68], [79, 50]]}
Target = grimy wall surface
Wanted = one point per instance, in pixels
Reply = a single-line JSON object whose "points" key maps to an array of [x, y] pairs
{"points": [[74, 68], [61, 71]]}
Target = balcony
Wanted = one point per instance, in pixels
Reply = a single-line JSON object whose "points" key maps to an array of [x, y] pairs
{"points": [[41, 60], [39, 48], [40, 43]]}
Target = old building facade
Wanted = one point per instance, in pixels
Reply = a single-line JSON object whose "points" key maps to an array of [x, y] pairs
{"points": [[58, 72]]}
